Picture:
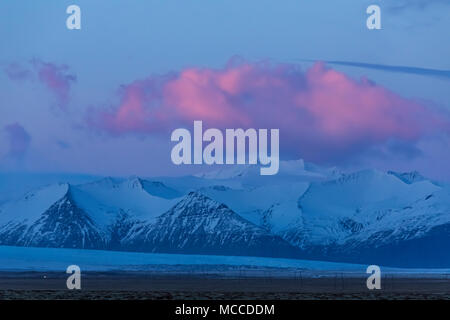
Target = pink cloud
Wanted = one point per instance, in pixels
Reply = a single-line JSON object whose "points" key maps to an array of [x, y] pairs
{"points": [[322, 114]]}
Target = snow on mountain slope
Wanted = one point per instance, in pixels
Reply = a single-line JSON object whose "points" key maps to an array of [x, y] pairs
{"points": [[374, 215], [90, 215], [29, 208], [363, 188], [198, 224], [354, 199], [267, 201], [187, 184], [14, 185], [272, 206], [322, 212], [415, 235], [230, 172], [103, 199], [64, 225], [408, 177], [159, 189], [289, 171], [410, 221], [61, 224]]}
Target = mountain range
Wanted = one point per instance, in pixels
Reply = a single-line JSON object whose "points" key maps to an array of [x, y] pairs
{"points": [[305, 211]]}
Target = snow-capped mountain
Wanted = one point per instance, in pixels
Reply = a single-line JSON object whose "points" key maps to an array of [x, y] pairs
{"points": [[198, 224], [369, 216], [91, 215], [372, 215], [49, 218], [336, 209]]}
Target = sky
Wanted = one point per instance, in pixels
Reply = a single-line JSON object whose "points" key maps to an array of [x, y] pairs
{"points": [[103, 100]]}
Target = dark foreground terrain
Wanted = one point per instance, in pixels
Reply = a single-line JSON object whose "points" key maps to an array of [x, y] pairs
{"points": [[95, 285]]}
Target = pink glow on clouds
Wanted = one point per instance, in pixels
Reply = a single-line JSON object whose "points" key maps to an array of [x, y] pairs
{"points": [[322, 114], [131, 115], [193, 92]]}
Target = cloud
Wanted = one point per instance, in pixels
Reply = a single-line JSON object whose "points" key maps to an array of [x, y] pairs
{"points": [[19, 140], [323, 115], [443, 74], [15, 71], [54, 77]]}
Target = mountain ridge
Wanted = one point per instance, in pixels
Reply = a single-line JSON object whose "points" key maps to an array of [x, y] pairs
{"points": [[368, 216]]}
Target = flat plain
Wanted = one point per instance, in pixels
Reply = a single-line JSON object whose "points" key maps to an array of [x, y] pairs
{"points": [[156, 286]]}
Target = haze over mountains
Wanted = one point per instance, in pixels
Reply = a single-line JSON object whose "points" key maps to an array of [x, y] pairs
{"points": [[305, 211]]}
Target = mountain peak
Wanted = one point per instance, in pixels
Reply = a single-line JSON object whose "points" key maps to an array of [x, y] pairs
{"points": [[408, 177], [29, 207], [159, 189], [195, 198], [134, 182]]}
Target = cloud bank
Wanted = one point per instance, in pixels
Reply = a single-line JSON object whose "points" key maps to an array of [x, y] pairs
{"points": [[323, 115]]}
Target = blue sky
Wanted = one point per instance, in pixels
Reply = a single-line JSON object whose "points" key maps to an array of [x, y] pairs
{"points": [[170, 35], [122, 41]]}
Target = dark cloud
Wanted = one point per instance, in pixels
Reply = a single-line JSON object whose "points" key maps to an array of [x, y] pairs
{"points": [[444, 74]]}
